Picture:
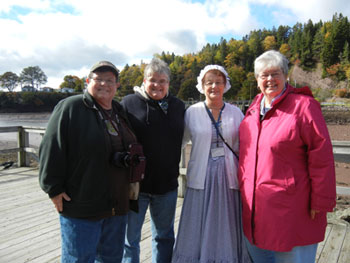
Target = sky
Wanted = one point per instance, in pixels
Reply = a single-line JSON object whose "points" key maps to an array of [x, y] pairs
{"points": [[66, 37]]}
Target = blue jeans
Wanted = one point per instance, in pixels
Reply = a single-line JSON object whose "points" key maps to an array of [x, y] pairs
{"points": [[162, 210], [92, 241], [300, 254]]}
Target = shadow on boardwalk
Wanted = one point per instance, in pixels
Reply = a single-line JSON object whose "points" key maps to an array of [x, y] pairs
{"points": [[29, 226]]}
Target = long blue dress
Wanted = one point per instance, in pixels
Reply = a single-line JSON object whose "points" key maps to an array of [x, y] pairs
{"points": [[210, 228]]}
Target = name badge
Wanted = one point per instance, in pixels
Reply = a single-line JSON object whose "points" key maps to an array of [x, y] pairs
{"points": [[216, 152]]}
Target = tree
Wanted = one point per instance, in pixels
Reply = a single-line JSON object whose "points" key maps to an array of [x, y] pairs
{"points": [[177, 69], [337, 34], [254, 43], [129, 77], [73, 82], [249, 88], [9, 80], [345, 58], [285, 50], [221, 53], [188, 90], [33, 76], [306, 52], [207, 55], [237, 76], [269, 43], [318, 42], [282, 35], [236, 53]]}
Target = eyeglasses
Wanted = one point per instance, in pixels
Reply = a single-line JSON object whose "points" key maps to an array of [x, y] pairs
{"points": [[108, 82], [161, 82], [210, 84], [274, 75]]}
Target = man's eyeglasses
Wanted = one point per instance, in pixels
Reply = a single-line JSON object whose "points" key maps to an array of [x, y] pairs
{"points": [[108, 82]]}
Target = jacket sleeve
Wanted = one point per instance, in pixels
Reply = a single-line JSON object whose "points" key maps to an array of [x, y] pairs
{"points": [[52, 154], [319, 157]]}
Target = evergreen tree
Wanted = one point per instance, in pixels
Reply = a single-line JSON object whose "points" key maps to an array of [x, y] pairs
{"points": [[282, 35], [317, 44], [306, 55], [295, 41], [188, 90], [221, 52]]}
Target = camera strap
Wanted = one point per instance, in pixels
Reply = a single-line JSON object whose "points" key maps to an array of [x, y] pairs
{"points": [[117, 127]]}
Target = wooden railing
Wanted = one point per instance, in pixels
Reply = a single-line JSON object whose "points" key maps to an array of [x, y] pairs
{"points": [[23, 149]]}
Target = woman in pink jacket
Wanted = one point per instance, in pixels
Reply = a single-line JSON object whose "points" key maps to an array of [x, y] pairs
{"points": [[286, 168]]}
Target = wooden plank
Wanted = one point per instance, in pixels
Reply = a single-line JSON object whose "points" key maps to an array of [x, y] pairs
{"points": [[37, 219], [9, 129], [345, 250], [146, 237], [333, 244], [342, 190], [33, 247], [321, 245], [30, 230], [53, 256]]}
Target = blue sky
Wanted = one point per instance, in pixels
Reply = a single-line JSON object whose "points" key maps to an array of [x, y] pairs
{"points": [[66, 37]]}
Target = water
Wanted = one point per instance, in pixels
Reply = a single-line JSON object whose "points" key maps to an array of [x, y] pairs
{"points": [[9, 139], [24, 119]]}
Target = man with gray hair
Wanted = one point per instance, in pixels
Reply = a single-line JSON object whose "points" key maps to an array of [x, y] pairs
{"points": [[158, 121]]}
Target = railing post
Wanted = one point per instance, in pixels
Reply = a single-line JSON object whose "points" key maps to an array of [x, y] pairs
{"points": [[182, 177], [22, 143]]}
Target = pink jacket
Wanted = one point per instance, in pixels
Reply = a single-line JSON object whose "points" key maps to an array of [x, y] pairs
{"points": [[286, 167]]}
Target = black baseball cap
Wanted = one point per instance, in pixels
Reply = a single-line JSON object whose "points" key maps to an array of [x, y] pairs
{"points": [[105, 64]]}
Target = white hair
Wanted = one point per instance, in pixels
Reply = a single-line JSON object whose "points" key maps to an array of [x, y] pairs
{"points": [[270, 59]]}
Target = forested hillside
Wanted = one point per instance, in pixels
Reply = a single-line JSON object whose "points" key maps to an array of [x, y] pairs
{"points": [[305, 45]]}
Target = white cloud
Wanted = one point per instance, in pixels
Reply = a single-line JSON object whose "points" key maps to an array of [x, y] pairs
{"points": [[290, 12], [65, 37], [6, 5]]}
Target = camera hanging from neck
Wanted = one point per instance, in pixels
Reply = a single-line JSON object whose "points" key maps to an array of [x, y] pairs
{"points": [[117, 126]]}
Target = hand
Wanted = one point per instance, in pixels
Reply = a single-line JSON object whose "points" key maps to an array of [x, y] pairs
{"points": [[313, 213], [58, 202]]}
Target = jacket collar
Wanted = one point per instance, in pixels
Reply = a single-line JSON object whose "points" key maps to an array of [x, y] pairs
{"points": [[255, 106], [141, 91], [89, 100]]}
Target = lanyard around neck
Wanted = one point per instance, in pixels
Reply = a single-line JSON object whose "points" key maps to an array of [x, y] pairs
{"points": [[217, 128], [215, 123]]}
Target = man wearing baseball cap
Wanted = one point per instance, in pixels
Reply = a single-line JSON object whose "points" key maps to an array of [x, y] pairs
{"points": [[90, 192]]}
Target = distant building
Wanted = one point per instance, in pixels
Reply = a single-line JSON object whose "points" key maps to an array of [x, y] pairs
{"points": [[46, 89], [67, 90]]}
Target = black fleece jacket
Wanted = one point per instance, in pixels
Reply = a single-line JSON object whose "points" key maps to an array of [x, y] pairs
{"points": [[161, 137], [75, 158]]}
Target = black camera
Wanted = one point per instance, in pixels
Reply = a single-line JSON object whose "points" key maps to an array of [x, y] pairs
{"points": [[134, 159], [121, 159], [125, 159]]}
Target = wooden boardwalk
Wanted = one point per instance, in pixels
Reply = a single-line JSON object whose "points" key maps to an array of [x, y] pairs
{"points": [[29, 227]]}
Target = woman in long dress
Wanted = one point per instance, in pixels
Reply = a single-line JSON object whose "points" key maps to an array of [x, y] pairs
{"points": [[210, 227]]}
